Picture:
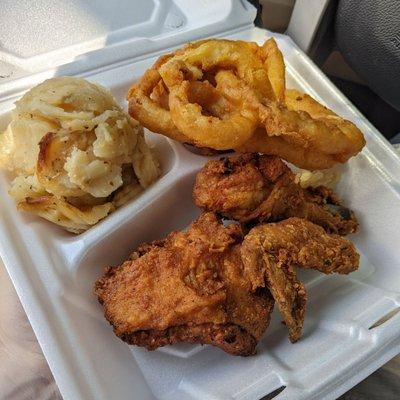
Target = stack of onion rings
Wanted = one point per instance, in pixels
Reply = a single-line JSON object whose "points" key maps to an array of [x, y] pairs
{"points": [[224, 94]]}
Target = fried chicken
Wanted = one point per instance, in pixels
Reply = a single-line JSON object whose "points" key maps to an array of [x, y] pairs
{"points": [[210, 285], [260, 188], [189, 287], [271, 251]]}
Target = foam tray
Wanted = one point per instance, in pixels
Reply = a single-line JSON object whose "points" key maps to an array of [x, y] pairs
{"points": [[54, 272]]}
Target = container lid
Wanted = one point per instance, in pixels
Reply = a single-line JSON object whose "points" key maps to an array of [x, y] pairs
{"points": [[72, 37]]}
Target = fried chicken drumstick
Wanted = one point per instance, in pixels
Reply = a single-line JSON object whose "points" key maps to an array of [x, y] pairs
{"points": [[204, 286], [261, 188]]}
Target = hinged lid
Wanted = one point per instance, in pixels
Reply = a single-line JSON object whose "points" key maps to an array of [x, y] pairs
{"points": [[72, 37]]}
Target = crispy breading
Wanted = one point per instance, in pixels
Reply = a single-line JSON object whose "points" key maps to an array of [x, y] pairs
{"points": [[260, 188], [210, 285], [189, 287], [230, 338], [271, 251]]}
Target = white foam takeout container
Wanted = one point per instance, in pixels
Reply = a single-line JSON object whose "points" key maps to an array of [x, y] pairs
{"points": [[53, 271]]}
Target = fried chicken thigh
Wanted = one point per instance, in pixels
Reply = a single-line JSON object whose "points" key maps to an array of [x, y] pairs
{"points": [[189, 287], [210, 285], [261, 188]]}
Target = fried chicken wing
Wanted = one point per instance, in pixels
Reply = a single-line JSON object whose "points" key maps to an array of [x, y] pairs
{"points": [[261, 188], [188, 287], [271, 251]]}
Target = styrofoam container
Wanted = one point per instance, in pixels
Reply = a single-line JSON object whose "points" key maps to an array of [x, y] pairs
{"points": [[54, 271]]}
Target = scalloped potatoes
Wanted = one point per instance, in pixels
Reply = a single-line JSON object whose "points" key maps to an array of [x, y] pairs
{"points": [[77, 155]]}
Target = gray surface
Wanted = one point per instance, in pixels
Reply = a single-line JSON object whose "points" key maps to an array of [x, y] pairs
{"points": [[368, 36]]}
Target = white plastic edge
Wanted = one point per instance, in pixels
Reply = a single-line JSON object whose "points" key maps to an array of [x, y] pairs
{"points": [[304, 22]]}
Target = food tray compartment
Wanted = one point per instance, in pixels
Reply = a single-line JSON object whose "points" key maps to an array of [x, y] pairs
{"points": [[54, 273]]}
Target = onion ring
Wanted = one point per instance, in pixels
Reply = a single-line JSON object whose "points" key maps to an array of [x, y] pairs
{"points": [[226, 54], [221, 132], [160, 95], [148, 112], [275, 65], [260, 142], [321, 132], [225, 94], [301, 102]]}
